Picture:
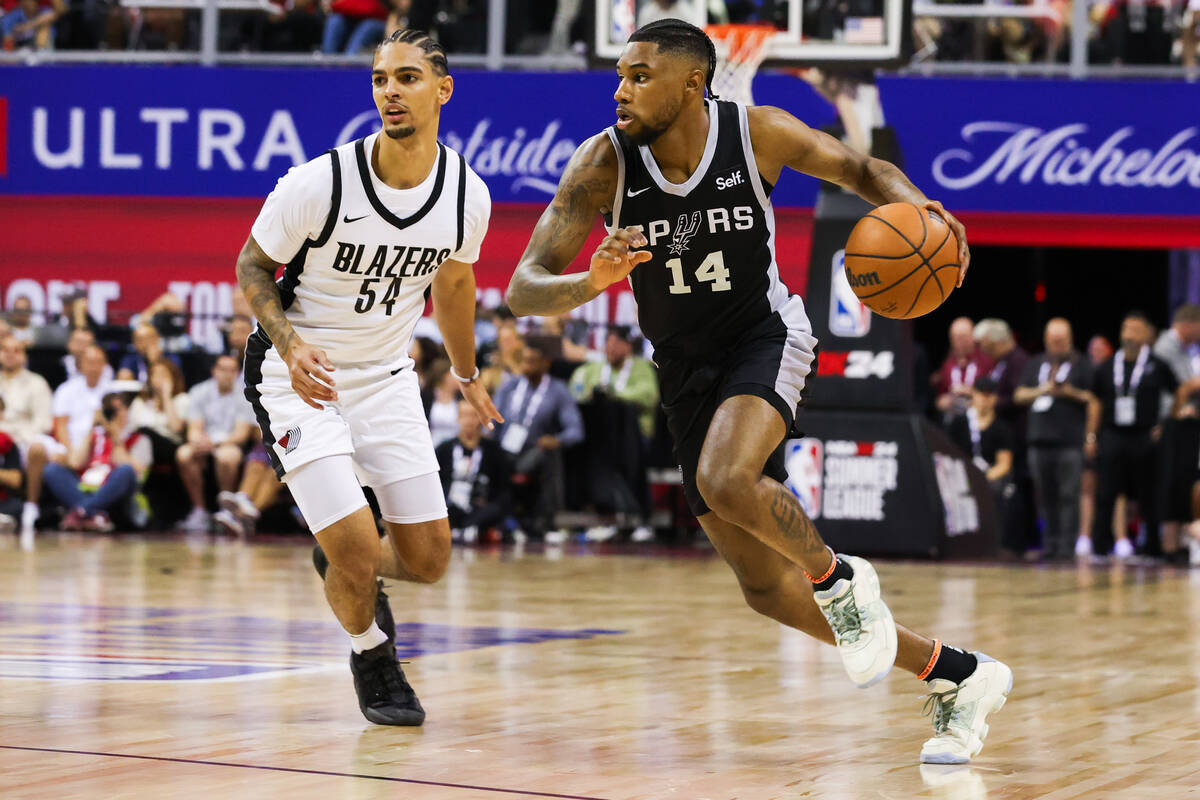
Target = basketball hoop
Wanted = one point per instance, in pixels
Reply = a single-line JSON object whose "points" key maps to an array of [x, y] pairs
{"points": [[740, 51]]}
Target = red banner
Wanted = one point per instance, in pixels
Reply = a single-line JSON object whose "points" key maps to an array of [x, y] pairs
{"points": [[126, 251]]}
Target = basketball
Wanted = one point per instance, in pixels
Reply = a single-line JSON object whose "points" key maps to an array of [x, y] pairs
{"points": [[902, 260]]}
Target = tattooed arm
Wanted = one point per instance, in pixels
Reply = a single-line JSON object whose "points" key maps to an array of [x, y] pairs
{"points": [[780, 140], [585, 190], [308, 366]]}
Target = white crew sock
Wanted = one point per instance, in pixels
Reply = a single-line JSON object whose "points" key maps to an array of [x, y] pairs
{"points": [[371, 637]]}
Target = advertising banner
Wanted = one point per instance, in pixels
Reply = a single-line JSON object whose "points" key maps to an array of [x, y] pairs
{"points": [[889, 484]]}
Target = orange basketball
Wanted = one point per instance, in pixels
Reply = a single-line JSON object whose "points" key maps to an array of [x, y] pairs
{"points": [[902, 260]]}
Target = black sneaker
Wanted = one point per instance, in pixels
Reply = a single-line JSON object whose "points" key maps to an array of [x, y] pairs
{"points": [[383, 609], [384, 695]]}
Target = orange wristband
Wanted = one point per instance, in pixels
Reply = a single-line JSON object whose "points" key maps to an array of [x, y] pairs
{"points": [[937, 651]]}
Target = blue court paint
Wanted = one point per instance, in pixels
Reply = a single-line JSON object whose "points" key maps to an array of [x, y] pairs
{"points": [[107, 642]]}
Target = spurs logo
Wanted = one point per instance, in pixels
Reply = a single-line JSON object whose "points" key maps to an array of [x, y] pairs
{"points": [[685, 229]]}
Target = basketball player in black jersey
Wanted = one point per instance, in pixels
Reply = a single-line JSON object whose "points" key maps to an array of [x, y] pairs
{"points": [[683, 184]]}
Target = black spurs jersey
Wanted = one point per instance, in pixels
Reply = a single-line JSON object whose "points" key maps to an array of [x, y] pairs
{"points": [[713, 276]]}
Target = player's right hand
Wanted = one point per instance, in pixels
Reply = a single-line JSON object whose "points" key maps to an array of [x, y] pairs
{"points": [[616, 257], [309, 368]]}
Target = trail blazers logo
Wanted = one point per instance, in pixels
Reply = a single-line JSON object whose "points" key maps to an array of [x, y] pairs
{"points": [[685, 229], [290, 440]]}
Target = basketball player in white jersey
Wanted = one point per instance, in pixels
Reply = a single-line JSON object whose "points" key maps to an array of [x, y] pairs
{"points": [[364, 230]]}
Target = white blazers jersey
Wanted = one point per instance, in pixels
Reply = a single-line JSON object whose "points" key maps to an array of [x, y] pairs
{"points": [[356, 285]]}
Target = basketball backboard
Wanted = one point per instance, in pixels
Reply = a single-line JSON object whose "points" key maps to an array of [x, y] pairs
{"points": [[808, 32]]}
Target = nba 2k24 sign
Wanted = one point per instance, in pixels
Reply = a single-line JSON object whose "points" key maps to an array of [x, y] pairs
{"points": [[842, 479]]}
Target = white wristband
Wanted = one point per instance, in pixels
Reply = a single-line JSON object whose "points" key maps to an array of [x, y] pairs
{"points": [[461, 379]]}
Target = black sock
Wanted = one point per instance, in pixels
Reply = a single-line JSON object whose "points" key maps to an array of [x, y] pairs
{"points": [[841, 571], [953, 665]]}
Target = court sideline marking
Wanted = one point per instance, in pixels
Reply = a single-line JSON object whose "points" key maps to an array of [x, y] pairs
{"points": [[303, 772]]}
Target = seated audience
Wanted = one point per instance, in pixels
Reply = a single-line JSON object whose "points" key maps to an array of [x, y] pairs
{"points": [[30, 24], [27, 421], [103, 470], [20, 320], [964, 364], [161, 410], [76, 402], [241, 510], [352, 26], [541, 418], [475, 478], [147, 348], [78, 341], [441, 402], [220, 424], [621, 375]]}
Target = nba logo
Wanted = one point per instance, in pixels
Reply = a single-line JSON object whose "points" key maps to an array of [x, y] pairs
{"points": [[848, 317], [624, 21], [804, 460]]}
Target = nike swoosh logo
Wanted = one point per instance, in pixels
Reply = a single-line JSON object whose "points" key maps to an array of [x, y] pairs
{"points": [[632, 193], [356, 219]]}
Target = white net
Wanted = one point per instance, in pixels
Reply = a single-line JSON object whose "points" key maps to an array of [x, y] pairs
{"points": [[740, 51]]}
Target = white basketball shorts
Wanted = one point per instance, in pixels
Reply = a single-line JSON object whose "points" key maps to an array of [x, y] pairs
{"points": [[378, 418]]}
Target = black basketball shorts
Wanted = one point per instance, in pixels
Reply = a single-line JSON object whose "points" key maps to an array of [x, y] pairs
{"points": [[773, 361]]}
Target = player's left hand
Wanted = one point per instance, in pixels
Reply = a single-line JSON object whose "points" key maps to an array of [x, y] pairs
{"points": [[960, 233], [477, 396]]}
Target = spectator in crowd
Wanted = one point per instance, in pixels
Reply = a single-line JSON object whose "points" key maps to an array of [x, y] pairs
{"points": [[399, 15], [31, 24], [26, 420], [76, 402], [1189, 34], [1055, 386], [147, 348], [541, 418], [441, 402], [104, 469], [989, 440], [352, 26], [1180, 447], [574, 333], [258, 491], [621, 375], [11, 482], [1178, 346], [293, 26], [236, 333], [475, 478], [161, 410], [424, 351], [654, 10], [1099, 350], [20, 320], [505, 361], [1123, 425], [78, 342], [963, 365], [220, 424], [997, 343], [168, 316]]}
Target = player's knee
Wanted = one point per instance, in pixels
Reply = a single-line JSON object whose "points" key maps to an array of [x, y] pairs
{"points": [[430, 565], [37, 452], [184, 454], [725, 487]]}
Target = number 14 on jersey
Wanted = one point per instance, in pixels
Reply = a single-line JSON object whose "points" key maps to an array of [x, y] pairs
{"points": [[712, 270]]}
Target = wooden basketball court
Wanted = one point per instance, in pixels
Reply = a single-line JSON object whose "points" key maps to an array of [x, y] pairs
{"points": [[168, 668]]}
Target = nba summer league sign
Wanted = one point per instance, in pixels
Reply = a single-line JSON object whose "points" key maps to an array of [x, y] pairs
{"points": [[1091, 147]]}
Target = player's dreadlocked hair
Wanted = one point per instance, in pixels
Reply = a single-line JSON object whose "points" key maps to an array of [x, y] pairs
{"points": [[677, 36], [434, 52]]}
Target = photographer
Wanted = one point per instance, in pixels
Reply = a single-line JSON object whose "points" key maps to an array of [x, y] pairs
{"points": [[105, 469]]}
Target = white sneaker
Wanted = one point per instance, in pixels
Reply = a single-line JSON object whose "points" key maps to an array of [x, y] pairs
{"points": [[959, 711], [238, 503], [29, 517], [862, 624], [195, 522], [229, 522], [470, 534], [556, 537], [1123, 548], [643, 533], [600, 533], [1083, 546]]}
